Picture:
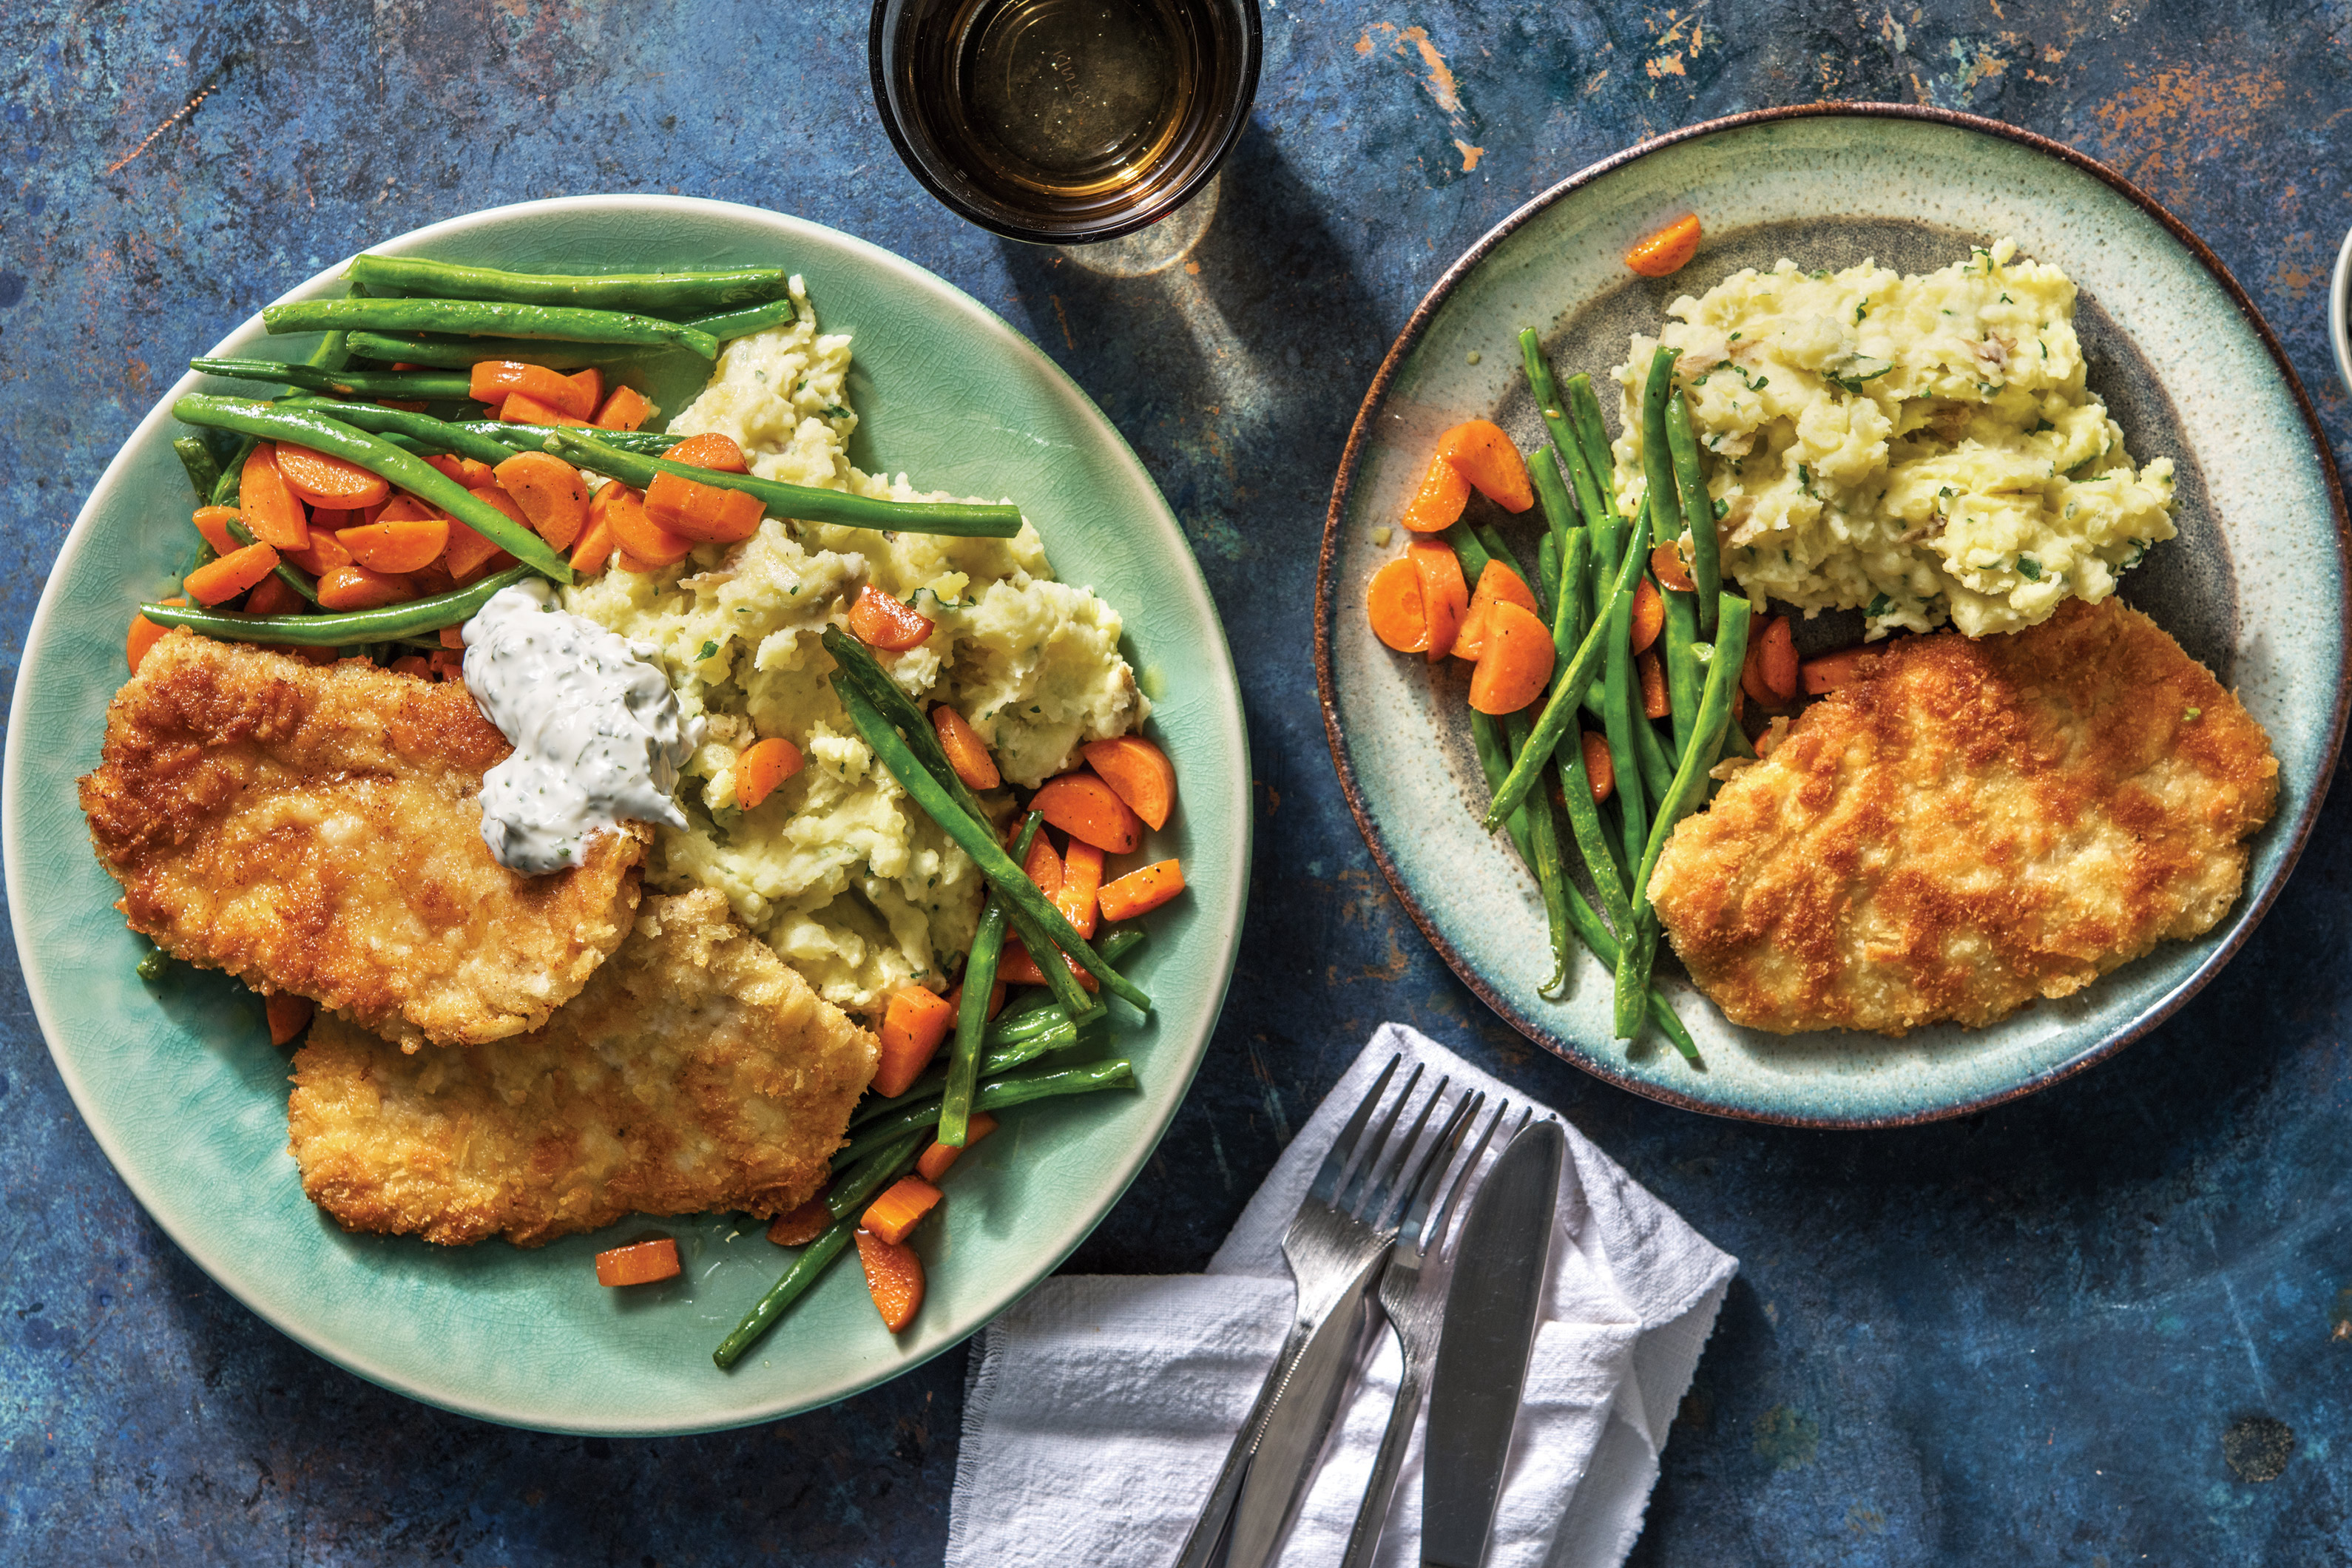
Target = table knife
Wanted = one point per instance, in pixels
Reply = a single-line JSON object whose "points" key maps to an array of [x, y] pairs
{"points": [[1492, 1309]]}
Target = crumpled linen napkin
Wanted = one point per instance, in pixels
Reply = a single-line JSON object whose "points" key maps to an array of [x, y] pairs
{"points": [[1099, 1407]]}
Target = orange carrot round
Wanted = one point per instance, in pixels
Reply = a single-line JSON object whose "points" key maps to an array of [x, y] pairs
{"points": [[1516, 662], [406, 544], [879, 620], [900, 1208], [326, 552], [144, 635], [1599, 770], [966, 753], [217, 581], [1485, 456], [894, 1277], [710, 450], [763, 766], [329, 481], [357, 588], [635, 533], [696, 510], [913, 1024], [1777, 657], [626, 408], [1649, 613], [1496, 584], [553, 496], [1395, 603], [213, 521], [1438, 502], [1140, 773], [1043, 866], [1141, 890], [1444, 597], [467, 552], [522, 408], [589, 385], [1085, 807], [644, 1264], [1666, 564], [271, 597], [801, 1225], [1832, 670], [495, 381], [940, 1156], [1652, 669], [1668, 250], [1082, 879], [1018, 968], [288, 1016], [268, 505]]}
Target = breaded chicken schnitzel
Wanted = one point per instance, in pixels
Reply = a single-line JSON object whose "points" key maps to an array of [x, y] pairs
{"points": [[696, 1072], [319, 831], [1970, 824]]}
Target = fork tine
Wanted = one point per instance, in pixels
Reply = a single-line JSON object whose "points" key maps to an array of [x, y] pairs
{"points": [[1422, 1190], [1327, 1176], [1351, 1196], [1378, 1208], [1434, 1237]]}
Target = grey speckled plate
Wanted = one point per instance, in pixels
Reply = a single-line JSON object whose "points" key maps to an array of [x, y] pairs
{"points": [[2254, 586]]}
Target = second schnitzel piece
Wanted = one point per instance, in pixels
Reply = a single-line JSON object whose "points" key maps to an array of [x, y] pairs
{"points": [[319, 831], [697, 1072], [1970, 824]]}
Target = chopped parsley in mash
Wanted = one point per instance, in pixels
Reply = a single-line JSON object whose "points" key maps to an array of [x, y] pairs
{"points": [[1917, 448], [838, 871]]}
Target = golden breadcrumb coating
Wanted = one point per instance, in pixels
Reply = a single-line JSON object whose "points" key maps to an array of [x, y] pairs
{"points": [[696, 1072], [1970, 824], [319, 831]]}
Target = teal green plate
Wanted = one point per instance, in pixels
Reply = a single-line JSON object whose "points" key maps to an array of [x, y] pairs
{"points": [[182, 1091], [2254, 586]]}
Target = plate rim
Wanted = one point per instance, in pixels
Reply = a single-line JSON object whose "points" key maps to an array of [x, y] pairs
{"points": [[354, 1358], [1359, 438]]}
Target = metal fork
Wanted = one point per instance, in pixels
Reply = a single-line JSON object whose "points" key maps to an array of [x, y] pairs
{"points": [[1413, 1294], [1335, 1246]]}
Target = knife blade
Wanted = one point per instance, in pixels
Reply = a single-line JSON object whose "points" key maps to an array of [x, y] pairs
{"points": [[1491, 1314]]}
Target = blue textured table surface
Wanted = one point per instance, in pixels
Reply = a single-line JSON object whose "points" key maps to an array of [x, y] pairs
{"points": [[2110, 1324]]}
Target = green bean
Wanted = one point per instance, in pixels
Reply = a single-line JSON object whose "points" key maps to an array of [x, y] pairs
{"points": [[750, 318], [1650, 753], [1592, 843], [204, 468], [971, 1015], [1494, 760], [995, 1094], [460, 353], [152, 965], [329, 353], [1592, 464], [347, 629], [405, 471], [482, 317], [667, 293], [1621, 689], [1698, 511], [1547, 584], [843, 1201], [1658, 464], [1551, 871], [1551, 494], [424, 385], [286, 571], [1554, 411], [533, 438], [1684, 678], [1567, 695], [972, 834], [435, 434], [1469, 552], [994, 1059], [803, 502]]}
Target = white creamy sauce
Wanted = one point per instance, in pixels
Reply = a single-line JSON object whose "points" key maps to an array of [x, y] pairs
{"points": [[596, 733]]}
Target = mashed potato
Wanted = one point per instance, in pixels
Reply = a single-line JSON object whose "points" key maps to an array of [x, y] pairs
{"points": [[1914, 447], [842, 875]]}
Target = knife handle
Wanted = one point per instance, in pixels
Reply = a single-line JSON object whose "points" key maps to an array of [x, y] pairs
{"points": [[1209, 1530]]}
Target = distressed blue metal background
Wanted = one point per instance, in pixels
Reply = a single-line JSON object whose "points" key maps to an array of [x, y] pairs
{"points": [[2111, 1323]]}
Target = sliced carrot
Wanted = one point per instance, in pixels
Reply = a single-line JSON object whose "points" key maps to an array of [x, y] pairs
{"points": [[453, 638], [763, 766], [1667, 251], [1438, 503], [1833, 671], [553, 495], [644, 1264], [1393, 602], [710, 450], [1139, 773], [624, 561], [1667, 566], [801, 1225], [494, 380], [144, 635], [357, 588], [447, 665], [217, 581], [470, 472], [1017, 968], [522, 408], [326, 552], [1649, 615], [1777, 657], [591, 382], [940, 1156], [879, 620], [646, 543], [697, 511], [595, 546], [415, 664], [1043, 866], [271, 597], [1496, 584], [288, 1016], [324, 480], [966, 753], [626, 408], [213, 521], [1141, 890], [1513, 666], [995, 998], [913, 1024], [1082, 876], [331, 517], [894, 1277], [900, 1208], [404, 545], [1085, 807], [267, 504], [1653, 671], [1599, 769], [467, 552], [1445, 596], [1487, 457]]}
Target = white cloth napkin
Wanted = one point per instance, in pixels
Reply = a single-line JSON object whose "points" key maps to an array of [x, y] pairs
{"points": [[1099, 1407]]}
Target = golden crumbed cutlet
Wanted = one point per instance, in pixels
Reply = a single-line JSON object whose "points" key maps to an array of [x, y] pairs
{"points": [[697, 1072], [317, 830], [1970, 824]]}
